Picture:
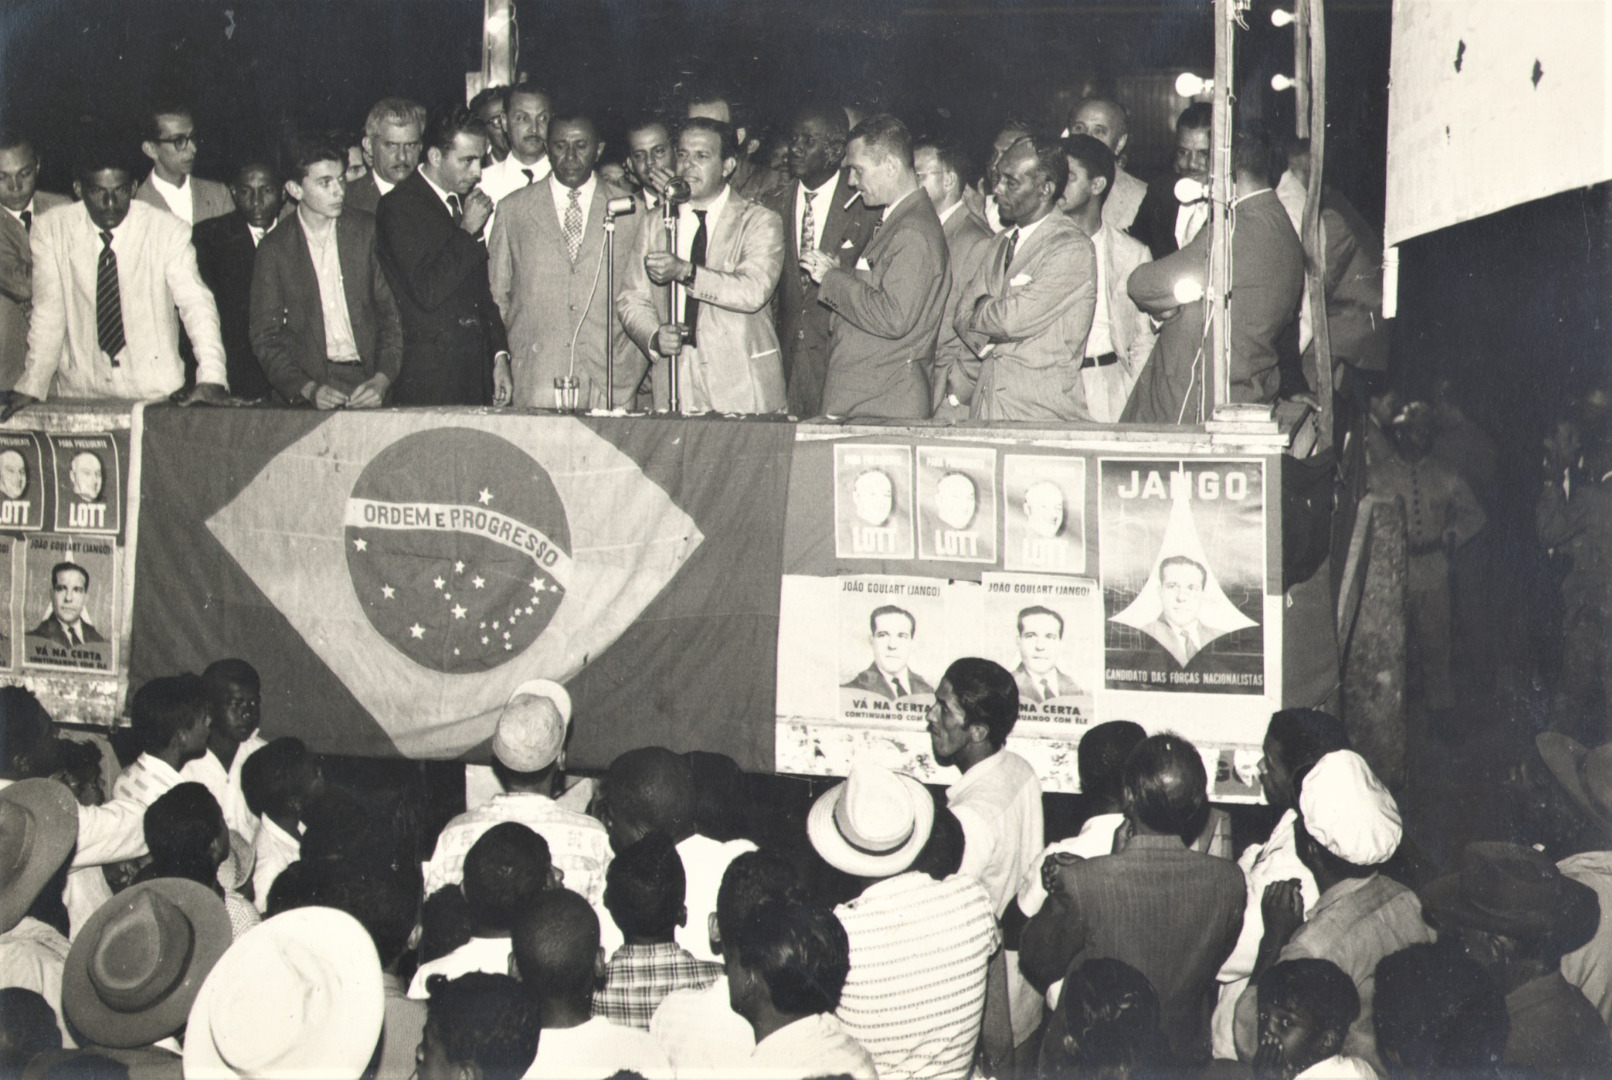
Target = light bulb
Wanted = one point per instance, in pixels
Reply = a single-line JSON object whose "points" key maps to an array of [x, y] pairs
{"points": [[1188, 291], [1189, 189], [1188, 85], [1280, 82], [1281, 17]]}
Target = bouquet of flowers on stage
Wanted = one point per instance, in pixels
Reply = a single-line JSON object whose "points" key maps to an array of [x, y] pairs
{"points": [[1173, 625]]}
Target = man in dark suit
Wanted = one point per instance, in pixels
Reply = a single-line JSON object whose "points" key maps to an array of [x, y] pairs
{"points": [[944, 174], [816, 156], [20, 203], [226, 248], [454, 348], [170, 141], [891, 630], [888, 309], [324, 322], [1266, 285], [391, 144], [65, 625], [1163, 222]]}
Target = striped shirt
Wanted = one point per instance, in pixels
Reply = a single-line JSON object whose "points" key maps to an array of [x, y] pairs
{"points": [[916, 992], [639, 977], [578, 844]]}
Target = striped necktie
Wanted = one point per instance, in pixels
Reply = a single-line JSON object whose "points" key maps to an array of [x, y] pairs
{"points": [[108, 304], [573, 225]]}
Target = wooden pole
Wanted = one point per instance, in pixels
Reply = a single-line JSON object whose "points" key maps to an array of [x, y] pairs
{"points": [[1217, 300], [1301, 69], [1315, 247]]}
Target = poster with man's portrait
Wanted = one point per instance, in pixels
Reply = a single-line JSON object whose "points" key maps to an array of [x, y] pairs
{"points": [[68, 594], [87, 494], [873, 509], [1047, 631], [892, 646], [1044, 510], [24, 476], [957, 503], [1183, 575]]}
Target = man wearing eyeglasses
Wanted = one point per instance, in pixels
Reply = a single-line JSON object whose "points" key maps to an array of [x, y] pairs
{"points": [[170, 141], [1163, 222]]}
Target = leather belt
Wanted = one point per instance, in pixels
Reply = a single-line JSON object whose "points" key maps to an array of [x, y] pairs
{"points": [[1100, 361]]}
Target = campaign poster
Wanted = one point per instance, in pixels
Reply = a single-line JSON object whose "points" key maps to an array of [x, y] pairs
{"points": [[957, 503], [1183, 575], [1234, 773], [68, 592], [1044, 497], [1048, 632], [24, 475], [892, 647], [873, 509], [87, 494]]}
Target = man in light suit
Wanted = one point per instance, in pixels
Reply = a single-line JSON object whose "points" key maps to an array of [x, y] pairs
{"points": [[839, 224], [427, 234], [730, 253], [325, 326], [170, 142], [890, 633], [1264, 302], [392, 140], [82, 343], [888, 309], [1021, 322], [226, 251], [1106, 122], [944, 174], [550, 292], [1037, 672], [1121, 333], [20, 204]]}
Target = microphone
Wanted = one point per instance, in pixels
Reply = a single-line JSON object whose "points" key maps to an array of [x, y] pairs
{"points": [[676, 191], [620, 207]]}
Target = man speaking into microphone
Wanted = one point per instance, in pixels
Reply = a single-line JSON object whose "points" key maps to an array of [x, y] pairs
{"points": [[546, 264], [729, 253]]}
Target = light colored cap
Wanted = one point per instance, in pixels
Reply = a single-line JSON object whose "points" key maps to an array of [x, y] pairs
{"points": [[874, 824], [299, 995], [531, 729], [1349, 811]]}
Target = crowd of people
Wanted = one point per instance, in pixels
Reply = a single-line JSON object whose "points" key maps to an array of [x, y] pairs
{"points": [[850, 267], [230, 911]]}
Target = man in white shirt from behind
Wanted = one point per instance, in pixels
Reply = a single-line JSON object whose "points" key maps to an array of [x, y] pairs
{"points": [[528, 757], [698, 1029], [556, 953], [921, 935], [787, 967]]}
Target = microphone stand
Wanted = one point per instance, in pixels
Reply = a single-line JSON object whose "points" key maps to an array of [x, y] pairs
{"points": [[610, 314], [673, 295]]}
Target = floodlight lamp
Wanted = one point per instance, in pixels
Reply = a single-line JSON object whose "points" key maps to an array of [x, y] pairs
{"points": [[1280, 82], [1281, 17], [1188, 291], [1188, 85]]}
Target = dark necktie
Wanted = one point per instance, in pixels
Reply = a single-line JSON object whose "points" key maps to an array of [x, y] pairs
{"points": [[901, 691], [528, 174], [108, 304], [27, 220], [1012, 246], [455, 209], [696, 255]]}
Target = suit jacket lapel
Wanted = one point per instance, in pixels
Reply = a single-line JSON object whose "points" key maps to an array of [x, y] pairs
{"points": [[353, 276], [316, 307], [833, 230]]}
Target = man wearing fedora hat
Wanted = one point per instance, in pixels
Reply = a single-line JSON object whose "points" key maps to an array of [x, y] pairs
{"points": [[528, 754], [1516, 914], [1575, 832], [38, 824], [299, 995], [921, 934], [1348, 825], [135, 969]]}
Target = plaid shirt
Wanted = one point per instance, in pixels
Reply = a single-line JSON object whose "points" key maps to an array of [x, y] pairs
{"points": [[638, 977]]}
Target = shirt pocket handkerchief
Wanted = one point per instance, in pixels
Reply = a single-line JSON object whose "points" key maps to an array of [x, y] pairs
{"points": [[1021, 281], [863, 264]]}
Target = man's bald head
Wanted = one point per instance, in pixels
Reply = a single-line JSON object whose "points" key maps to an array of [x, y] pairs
{"points": [[1104, 121], [555, 942], [648, 789], [1166, 787]]}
